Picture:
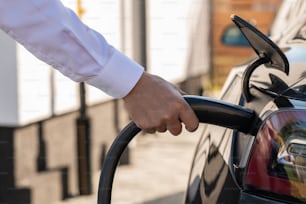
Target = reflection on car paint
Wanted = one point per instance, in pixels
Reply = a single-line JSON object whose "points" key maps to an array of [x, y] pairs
{"points": [[278, 161]]}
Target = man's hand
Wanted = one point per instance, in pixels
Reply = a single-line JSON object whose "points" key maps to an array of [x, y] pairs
{"points": [[156, 105]]}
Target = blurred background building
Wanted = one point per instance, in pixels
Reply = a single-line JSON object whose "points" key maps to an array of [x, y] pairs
{"points": [[54, 133], [228, 46]]}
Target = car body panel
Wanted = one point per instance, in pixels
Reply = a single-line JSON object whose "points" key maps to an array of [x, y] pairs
{"points": [[222, 157], [222, 154]]}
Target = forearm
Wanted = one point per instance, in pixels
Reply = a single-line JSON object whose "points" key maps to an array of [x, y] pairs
{"points": [[55, 35]]}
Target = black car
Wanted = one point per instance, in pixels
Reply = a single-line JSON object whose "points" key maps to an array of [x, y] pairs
{"points": [[266, 164], [253, 148]]}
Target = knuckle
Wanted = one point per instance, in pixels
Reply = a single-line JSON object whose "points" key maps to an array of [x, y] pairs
{"points": [[143, 125], [166, 117], [178, 105]]}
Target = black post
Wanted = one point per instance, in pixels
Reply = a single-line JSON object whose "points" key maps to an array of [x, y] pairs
{"points": [[9, 192], [83, 144]]}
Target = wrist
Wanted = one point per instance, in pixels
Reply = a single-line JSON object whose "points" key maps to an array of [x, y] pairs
{"points": [[118, 77]]}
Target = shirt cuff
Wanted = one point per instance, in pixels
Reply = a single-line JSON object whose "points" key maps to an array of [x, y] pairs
{"points": [[118, 77]]}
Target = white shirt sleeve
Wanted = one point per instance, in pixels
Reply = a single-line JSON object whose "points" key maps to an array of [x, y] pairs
{"points": [[54, 34]]}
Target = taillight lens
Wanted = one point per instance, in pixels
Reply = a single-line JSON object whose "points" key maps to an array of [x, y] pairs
{"points": [[278, 159]]}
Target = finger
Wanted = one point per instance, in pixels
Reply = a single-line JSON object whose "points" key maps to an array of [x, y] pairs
{"points": [[175, 127], [162, 128], [150, 131], [189, 118]]}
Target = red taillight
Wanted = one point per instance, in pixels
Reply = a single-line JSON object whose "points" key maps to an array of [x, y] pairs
{"points": [[278, 159]]}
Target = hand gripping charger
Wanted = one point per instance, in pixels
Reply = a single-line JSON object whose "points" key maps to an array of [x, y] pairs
{"points": [[208, 110]]}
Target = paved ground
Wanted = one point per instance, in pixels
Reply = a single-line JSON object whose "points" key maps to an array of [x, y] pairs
{"points": [[158, 172]]}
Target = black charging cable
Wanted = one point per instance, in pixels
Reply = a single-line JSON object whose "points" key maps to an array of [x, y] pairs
{"points": [[208, 110]]}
